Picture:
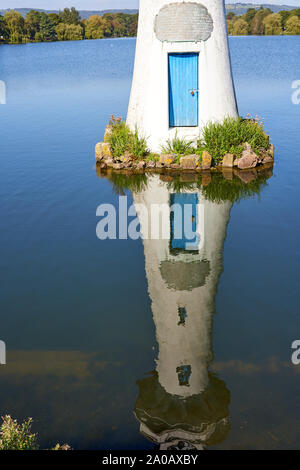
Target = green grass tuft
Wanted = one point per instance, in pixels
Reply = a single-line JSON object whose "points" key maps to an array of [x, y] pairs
{"points": [[123, 140], [178, 146], [230, 137]]}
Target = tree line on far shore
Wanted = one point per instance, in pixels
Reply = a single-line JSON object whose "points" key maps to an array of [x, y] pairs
{"points": [[264, 22], [65, 25]]}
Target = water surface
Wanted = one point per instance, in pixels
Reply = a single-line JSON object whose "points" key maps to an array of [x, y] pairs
{"points": [[84, 319]]}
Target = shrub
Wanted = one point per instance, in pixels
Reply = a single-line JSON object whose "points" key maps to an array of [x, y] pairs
{"points": [[14, 436], [231, 135], [123, 140], [138, 145], [119, 138], [178, 146]]}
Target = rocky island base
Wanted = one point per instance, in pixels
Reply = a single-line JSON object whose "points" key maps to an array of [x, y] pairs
{"points": [[125, 150]]}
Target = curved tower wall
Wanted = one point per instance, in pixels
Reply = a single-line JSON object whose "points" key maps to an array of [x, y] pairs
{"points": [[149, 106]]}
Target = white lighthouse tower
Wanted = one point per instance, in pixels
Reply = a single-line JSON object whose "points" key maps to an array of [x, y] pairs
{"points": [[182, 74]]}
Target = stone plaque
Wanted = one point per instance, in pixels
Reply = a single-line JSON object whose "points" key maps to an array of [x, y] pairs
{"points": [[183, 22]]}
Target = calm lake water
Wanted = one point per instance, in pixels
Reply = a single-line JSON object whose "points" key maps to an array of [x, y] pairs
{"points": [[104, 337]]}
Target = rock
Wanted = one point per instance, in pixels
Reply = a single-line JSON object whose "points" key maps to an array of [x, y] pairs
{"points": [[227, 161], [189, 162], [98, 152], [263, 153], [267, 159], [206, 160], [150, 164], [271, 151], [175, 166], [265, 156], [102, 166], [110, 162], [107, 133], [141, 165], [166, 159], [126, 158], [236, 161], [249, 159], [102, 151], [118, 166]]}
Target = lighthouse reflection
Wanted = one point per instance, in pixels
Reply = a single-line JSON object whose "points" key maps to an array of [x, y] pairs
{"points": [[181, 404]]}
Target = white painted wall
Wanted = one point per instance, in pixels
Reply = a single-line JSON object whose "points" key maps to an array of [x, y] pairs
{"points": [[149, 100]]}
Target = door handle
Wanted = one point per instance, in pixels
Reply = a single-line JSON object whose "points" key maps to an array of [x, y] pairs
{"points": [[192, 92]]}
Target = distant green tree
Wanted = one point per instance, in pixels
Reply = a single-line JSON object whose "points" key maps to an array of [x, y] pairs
{"points": [[16, 26], [295, 12], [4, 32], [285, 15], [257, 26], [32, 24], [133, 25], [240, 27], [69, 16], [94, 27], [250, 14], [69, 32], [54, 17], [273, 24], [39, 27], [229, 27], [46, 31], [123, 24], [292, 26], [230, 15]]}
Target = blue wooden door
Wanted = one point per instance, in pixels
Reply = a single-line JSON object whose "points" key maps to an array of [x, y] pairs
{"points": [[183, 90]]}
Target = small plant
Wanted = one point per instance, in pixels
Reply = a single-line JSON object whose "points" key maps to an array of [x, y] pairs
{"points": [[178, 146], [138, 145], [61, 447], [152, 157], [14, 436], [123, 140], [231, 135], [120, 137]]}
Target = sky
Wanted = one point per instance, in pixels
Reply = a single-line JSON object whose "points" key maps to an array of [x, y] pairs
{"points": [[106, 4]]}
